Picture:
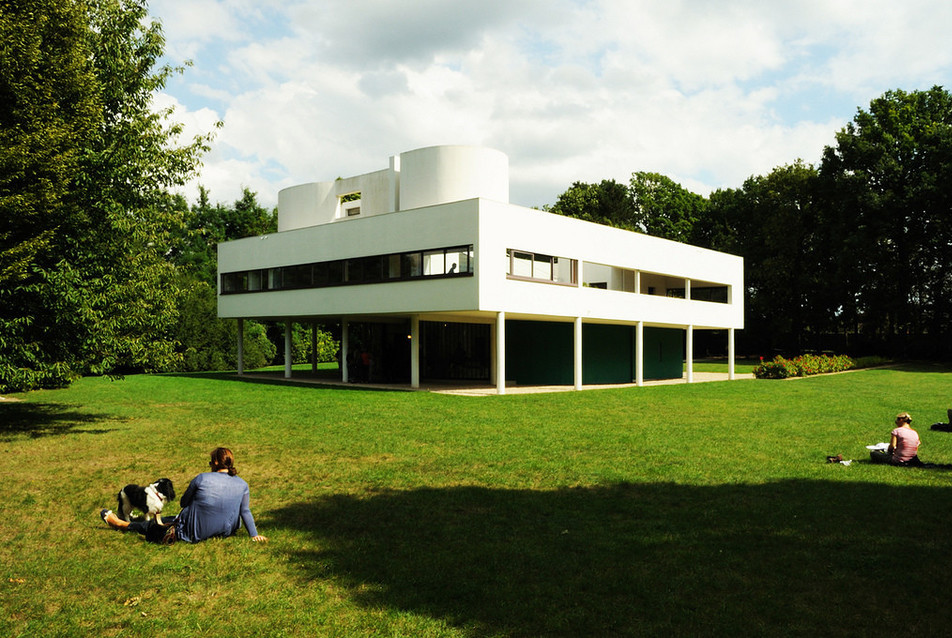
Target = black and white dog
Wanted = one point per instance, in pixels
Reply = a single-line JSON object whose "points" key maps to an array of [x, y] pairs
{"points": [[148, 499]]}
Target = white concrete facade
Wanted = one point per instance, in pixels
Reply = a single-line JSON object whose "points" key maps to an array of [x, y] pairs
{"points": [[457, 196]]}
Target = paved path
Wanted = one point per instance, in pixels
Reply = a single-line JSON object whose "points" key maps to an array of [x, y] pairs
{"points": [[482, 390]]}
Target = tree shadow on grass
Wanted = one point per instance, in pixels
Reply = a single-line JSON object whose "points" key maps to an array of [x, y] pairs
{"points": [[787, 558], [18, 418]]}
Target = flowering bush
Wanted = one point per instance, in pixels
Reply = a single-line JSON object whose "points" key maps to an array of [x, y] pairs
{"points": [[802, 366]]}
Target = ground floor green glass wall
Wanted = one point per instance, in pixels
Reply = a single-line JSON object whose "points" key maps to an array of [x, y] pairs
{"points": [[542, 353], [537, 352]]}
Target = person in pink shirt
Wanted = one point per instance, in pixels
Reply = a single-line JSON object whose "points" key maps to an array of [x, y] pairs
{"points": [[903, 444]]}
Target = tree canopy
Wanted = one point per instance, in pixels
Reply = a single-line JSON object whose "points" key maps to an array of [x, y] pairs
{"points": [[651, 203], [857, 251], [889, 184], [87, 220]]}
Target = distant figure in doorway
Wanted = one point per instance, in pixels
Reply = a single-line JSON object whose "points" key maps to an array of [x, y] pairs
{"points": [[364, 361], [903, 445]]}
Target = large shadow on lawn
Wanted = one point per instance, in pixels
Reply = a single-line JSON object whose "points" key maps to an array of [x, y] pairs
{"points": [[786, 558], [18, 418]]}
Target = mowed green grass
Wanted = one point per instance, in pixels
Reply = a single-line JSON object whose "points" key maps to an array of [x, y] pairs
{"points": [[703, 509]]}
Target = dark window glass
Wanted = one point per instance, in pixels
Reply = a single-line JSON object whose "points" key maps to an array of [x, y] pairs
{"points": [[358, 270], [353, 271], [412, 265], [335, 272], [716, 294], [373, 268], [275, 279], [393, 266], [229, 282], [254, 280], [298, 276], [320, 274]]}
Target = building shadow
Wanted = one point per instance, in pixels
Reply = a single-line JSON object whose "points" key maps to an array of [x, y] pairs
{"points": [[322, 380], [784, 558], [19, 418]]}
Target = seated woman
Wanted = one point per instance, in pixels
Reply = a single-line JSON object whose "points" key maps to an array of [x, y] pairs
{"points": [[215, 504], [903, 444]]}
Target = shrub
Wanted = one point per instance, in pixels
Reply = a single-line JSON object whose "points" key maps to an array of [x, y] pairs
{"points": [[869, 362], [802, 366], [327, 347]]}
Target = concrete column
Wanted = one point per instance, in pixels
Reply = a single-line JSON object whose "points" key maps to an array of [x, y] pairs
{"points": [[344, 340], [287, 349], [640, 353], [730, 354], [415, 351], [687, 288], [241, 346], [689, 354], [313, 347], [500, 353], [578, 353]]}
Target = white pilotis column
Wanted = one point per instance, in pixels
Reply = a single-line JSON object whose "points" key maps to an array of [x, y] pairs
{"points": [[344, 340], [640, 353], [730, 354], [500, 353], [578, 353], [287, 349], [415, 351], [241, 346], [689, 354]]}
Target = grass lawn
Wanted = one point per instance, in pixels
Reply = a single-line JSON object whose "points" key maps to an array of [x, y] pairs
{"points": [[678, 510], [741, 366]]}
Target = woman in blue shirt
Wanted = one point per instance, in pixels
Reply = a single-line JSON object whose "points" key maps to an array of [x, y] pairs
{"points": [[215, 504]]}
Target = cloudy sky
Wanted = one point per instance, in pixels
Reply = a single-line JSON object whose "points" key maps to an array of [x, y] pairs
{"points": [[707, 92]]}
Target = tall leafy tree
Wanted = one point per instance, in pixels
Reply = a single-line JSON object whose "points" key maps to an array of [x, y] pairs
{"points": [[205, 341], [651, 203], [605, 203], [773, 224], [664, 208], [89, 289], [889, 182], [46, 111], [207, 225]]}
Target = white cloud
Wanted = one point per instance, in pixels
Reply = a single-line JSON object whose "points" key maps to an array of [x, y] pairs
{"points": [[707, 93]]}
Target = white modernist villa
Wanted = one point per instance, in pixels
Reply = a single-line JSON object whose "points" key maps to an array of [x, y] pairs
{"points": [[431, 274]]}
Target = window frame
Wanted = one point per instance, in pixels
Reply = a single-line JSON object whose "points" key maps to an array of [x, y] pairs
{"points": [[552, 268], [352, 271]]}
